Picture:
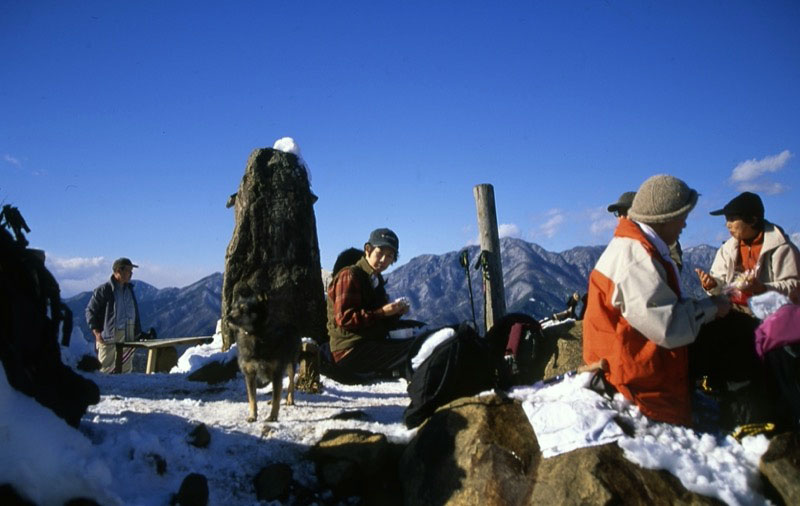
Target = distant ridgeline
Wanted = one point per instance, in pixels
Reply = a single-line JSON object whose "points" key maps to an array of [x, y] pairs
{"points": [[537, 282]]}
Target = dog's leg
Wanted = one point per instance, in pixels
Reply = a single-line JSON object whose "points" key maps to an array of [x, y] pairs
{"points": [[290, 370], [277, 389], [250, 386]]}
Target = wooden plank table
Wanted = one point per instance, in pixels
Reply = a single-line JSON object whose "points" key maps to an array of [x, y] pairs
{"points": [[153, 346]]}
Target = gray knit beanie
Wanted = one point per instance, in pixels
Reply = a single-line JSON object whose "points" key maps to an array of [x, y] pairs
{"points": [[662, 198]]}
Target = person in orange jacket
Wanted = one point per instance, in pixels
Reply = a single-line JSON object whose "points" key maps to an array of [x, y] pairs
{"points": [[636, 317]]}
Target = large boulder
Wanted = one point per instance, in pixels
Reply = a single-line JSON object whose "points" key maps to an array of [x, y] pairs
{"points": [[477, 450], [274, 251], [602, 475], [780, 465], [357, 463], [482, 450], [558, 350]]}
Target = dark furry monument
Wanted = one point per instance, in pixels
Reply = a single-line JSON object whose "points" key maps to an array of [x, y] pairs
{"points": [[274, 251]]}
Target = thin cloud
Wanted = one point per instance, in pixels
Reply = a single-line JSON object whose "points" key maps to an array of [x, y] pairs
{"points": [[554, 219], [82, 274], [508, 230], [12, 160], [765, 187], [78, 274], [795, 237], [503, 230], [752, 169], [77, 266]]}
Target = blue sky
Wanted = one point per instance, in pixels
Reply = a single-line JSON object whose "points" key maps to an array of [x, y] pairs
{"points": [[124, 126]]}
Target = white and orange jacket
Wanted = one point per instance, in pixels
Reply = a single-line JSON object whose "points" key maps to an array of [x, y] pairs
{"points": [[636, 319], [778, 265]]}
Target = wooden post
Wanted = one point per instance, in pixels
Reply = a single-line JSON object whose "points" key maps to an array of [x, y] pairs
{"points": [[494, 293]]}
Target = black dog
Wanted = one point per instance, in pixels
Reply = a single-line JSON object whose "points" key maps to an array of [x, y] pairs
{"points": [[266, 349]]}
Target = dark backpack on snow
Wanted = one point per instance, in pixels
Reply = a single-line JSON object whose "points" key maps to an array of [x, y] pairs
{"points": [[462, 366]]}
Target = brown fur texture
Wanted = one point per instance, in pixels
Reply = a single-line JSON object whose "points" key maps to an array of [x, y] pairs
{"points": [[266, 350]]}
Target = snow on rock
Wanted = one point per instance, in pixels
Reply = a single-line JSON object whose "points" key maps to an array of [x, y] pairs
{"points": [[197, 356], [715, 466], [712, 465], [288, 145]]}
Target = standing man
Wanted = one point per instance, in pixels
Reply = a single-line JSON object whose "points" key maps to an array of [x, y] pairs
{"points": [[636, 317], [113, 316]]}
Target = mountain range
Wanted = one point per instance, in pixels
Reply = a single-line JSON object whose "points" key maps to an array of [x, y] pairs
{"points": [[173, 312], [537, 282]]}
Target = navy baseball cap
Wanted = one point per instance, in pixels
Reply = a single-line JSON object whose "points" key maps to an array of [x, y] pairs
{"points": [[744, 204]]}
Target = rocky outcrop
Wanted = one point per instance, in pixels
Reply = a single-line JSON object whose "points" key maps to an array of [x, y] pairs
{"points": [[482, 450], [358, 463], [563, 348], [477, 450], [193, 491], [274, 251], [780, 466], [215, 372], [602, 475], [272, 483]]}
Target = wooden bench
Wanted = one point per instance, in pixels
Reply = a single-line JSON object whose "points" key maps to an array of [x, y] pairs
{"points": [[153, 346]]}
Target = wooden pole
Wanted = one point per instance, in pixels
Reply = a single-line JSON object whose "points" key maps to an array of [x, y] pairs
{"points": [[494, 294]]}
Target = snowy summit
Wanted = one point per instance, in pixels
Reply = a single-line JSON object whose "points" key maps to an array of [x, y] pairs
{"points": [[145, 419]]}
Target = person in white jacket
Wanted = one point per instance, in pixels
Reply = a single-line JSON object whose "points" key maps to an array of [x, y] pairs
{"points": [[758, 256]]}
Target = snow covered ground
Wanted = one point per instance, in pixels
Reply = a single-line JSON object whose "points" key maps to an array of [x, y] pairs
{"points": [[112, 457]]}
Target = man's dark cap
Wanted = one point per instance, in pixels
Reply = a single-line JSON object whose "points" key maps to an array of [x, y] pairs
{"points": [[384, 237], [744, 204], [119, 263], [623, 203]]}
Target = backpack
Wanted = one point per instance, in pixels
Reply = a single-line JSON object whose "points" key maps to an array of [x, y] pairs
{"points": [[31, 314], [461, 366], [521, 337]]}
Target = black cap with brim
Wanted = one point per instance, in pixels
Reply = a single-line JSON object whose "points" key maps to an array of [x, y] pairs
{"points": [[119, 263], [383, 237], [744, 204], [623, 203]]}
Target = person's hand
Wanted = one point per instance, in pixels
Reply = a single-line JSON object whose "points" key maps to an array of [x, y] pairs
{"points": [[754, 286], [98, 340], [393, 308], [723, 305], [706, 280]]}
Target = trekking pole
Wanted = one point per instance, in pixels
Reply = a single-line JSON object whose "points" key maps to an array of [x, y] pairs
{"points": [[464, 260]]}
